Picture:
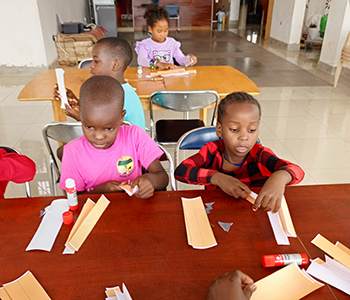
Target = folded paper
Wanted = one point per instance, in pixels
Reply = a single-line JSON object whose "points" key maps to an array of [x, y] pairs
{"points": [[50, 225], [175, 72], [86, 221], [116, 293], [128, 189], [24, 288], [289, 283], [281, 222], [61, 87], [199, 233], [331, 272]]}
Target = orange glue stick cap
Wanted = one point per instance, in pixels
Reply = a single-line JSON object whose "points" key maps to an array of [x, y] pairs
{"points": [[67, 217]]}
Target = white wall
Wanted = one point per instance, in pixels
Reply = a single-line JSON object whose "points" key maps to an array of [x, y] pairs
{"points": [[21, 39], [338, 27], [234, 10], [30, 24]]}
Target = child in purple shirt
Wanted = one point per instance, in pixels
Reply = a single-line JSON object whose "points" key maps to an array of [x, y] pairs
{"points": [[160, 48]]}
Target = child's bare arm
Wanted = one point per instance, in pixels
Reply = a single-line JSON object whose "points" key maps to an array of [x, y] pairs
{"points": [[270, 196], [230, 185], [111, 186], [155, 179]]}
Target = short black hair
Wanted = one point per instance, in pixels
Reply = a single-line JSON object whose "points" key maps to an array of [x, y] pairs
{"points": [[117, 48], [237, 97], [154, 13], [101, 91]]}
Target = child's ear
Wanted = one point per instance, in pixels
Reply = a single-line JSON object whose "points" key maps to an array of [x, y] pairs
{"points": [[218, 129], [116, 65], [123, 115]]}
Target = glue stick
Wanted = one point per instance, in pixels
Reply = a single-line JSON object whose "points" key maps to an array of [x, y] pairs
{"points": [[71, 190], [280, 260]]}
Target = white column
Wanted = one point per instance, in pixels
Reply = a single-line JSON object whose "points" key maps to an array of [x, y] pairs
{"points": [[287, 22], [338, 27]]}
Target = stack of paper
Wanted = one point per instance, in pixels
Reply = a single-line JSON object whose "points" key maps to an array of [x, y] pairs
{"points": [[335, 272], [281, 222], [49, 227], [199, 232], [24, 288], [289, 283], [86, 221], [116, 294]]}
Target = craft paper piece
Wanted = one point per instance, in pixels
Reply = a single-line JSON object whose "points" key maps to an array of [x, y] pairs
{"points": [[175, 72], [88, 206], [199, 233], [336, 251], [209, 207], [88, 223], [61, 87], [26, 288], [281, 222], [127, 188], [225, 226], [116, 293], [331, 272], [49, 227], [4, 295], [289, 283]]}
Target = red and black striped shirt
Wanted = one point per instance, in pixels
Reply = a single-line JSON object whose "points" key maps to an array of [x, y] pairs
{"points": [[257, 167]]}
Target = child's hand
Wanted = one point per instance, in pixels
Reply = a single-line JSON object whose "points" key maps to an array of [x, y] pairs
{"points": [[165, 66], [235, 285], [70, 95], [146, 189], [270, 196], [194, 58], [230, 185], [111, 186]]}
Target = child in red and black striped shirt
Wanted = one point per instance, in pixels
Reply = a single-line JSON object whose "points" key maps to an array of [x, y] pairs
{"points": [[237, 161]]}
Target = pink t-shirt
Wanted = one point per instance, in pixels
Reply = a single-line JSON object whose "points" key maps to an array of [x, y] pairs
{"points": [[148, 49], [90, 167]]}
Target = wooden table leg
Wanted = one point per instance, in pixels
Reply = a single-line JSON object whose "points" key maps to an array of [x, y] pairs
{"points": [[203, 114], [58, 112]]}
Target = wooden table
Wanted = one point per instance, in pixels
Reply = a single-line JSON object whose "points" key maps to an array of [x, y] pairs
{"points": [[143, 244], [223, 79]]}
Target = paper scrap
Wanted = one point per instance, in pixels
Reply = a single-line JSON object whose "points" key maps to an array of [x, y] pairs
{"points": [[25, 288], [331, 272], [209, 207], [49, 227], [225, 226], [116, 293], [61, 87], [288, 283], [336, 251], [199, 233], [88, 223], [281, 222], [127, 188]]}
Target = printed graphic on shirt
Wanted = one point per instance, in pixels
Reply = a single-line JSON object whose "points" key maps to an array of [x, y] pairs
{"points": [[162, 55], [125, 165]]}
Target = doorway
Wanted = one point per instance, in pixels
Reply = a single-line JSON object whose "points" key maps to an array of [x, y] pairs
{"points": [[125, 15]]}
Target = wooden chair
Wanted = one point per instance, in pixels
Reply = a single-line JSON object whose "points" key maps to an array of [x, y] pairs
{"points": [[344, 58]]}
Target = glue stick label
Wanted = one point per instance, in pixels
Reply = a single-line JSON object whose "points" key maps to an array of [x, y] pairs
{"points": [[286, 259]]}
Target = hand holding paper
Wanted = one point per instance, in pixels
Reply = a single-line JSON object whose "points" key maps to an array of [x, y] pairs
{"points": [[62, 87]]}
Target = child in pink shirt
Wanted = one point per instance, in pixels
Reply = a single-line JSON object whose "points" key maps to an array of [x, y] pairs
{"points": [[160, 49], [109, 154]]}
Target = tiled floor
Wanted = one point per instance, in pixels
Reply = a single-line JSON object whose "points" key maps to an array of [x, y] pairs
{"points": [[304, 119]]}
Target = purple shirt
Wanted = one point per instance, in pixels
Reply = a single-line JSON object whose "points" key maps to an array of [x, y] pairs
{"points": [[148, 49], [90, 167]]}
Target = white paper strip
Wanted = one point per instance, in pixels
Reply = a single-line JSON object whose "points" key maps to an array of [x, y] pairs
{"points": [[61, 87], [280, 235], [49, 227]]}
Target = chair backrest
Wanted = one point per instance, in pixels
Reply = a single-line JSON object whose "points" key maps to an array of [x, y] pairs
{"points": [[85, 64], [173, 10], [13, 150], [167, 156]]}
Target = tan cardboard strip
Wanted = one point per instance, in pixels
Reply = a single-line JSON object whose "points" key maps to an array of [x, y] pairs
{"points": [[197, 224], [4, 295], [289, 283], [332, 250], [88, 206], [343, 247], [111, 292], [286, 219], [26, 287], [89, 222]]}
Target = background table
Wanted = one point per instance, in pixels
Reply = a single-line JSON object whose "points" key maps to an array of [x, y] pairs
{"points": [[143, 244], [223, 79]]}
